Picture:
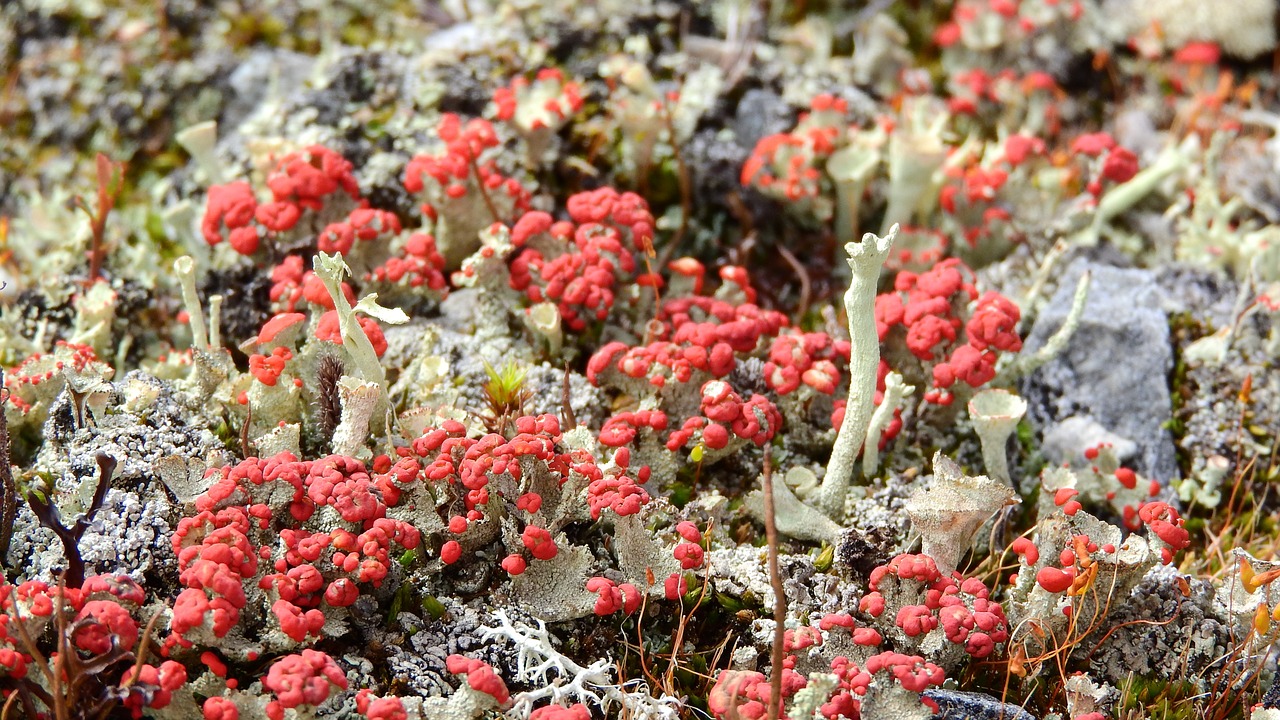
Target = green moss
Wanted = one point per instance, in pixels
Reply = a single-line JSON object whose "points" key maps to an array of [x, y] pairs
{"points": [[825, 558], [433, 607], [680, 494], [1161, 700], [729, 602]]}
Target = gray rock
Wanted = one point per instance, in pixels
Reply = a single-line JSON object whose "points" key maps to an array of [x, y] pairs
{"points": [[1208, 295], [1066, 441], [760, 113], [957, 705], [1115, 369], [257, 75]]}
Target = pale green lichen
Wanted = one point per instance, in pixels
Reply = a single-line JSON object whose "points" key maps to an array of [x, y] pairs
{"points": [[948, 512], [866, 258], [895, 394], [1026, 363], [995, 415], [331, 269]]}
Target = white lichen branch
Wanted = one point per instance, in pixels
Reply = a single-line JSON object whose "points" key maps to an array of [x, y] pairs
{"points": [[1026, 364], [560, 680], [865, 259]]}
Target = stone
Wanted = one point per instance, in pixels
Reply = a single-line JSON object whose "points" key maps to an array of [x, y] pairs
{"points": [[1067, 440], [959, 705], [760, 113], [1115, 368]]}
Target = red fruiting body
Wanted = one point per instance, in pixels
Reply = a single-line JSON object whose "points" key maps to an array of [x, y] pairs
{"points": [[614, 597], [674, 587], [303, 680], [689, 554], [514, 565], [555, 712], [388, 708], [1165, 522], [480, 676], [220, 708], [1027, 549], [578, 264], [689, 531], [538, 542], [1055, 580], [104, 621], [1093, 144], [329, 328], [231, 207], [450, 552], [152, 686], [1120, 166]]}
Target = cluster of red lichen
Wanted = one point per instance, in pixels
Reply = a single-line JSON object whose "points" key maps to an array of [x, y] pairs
{"points": [[924, 601]]}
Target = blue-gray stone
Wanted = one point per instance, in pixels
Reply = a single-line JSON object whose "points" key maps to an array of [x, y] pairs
{"points": [[959, 705]]}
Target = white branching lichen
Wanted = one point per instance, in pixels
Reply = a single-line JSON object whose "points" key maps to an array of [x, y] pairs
{"points": [[560, 680], [895, 392], [185, 267], [1027, 363]]}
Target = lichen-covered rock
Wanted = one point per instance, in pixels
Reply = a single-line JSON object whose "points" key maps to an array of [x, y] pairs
{"points": [[142, 428], [1160, 632]]}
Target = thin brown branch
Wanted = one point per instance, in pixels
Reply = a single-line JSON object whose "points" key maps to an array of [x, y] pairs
{"points": [[245, 445], [566, 409], [141, 660], [779, 597], [678, 640], [806, 287], [8, 488], [644, 666], [110, 177], [484, 192], [8, 705]]}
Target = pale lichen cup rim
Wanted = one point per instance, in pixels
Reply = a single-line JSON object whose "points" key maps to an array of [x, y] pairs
{"points": [[994, 404]]}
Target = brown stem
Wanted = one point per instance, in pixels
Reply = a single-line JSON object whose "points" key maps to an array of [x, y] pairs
{"points": [[566, 409], [8, 704], [46, 510], [245, 445], [779, 598], [8, 488], [802, 275], [484, 192], [110, 180], [678, 641]]}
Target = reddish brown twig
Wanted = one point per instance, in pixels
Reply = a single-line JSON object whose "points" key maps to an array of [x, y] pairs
{"points": [[8, 488], [806, 287], [779, 598], [110, 182]]}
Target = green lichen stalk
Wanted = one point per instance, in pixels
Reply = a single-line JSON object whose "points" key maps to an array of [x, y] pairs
{"points": [[865, 259], [330, 269]]}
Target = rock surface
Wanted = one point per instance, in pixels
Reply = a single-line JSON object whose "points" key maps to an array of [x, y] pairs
{"points": [[1115, 369], [958, 705]]}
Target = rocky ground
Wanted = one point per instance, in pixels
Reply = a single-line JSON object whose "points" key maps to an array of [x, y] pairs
{"points": [[460, 360]]}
